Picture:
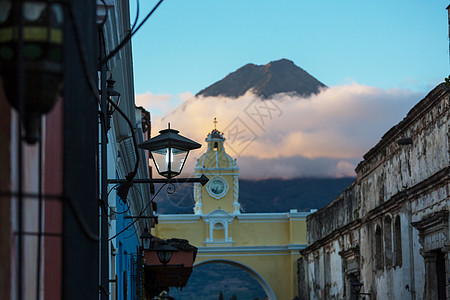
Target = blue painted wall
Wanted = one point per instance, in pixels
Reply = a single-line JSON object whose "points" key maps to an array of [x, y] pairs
{"points": [[126, 258]]}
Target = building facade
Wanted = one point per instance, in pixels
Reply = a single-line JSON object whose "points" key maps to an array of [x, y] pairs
{"points": [[266, 245], [389, 230], [60, 236]]}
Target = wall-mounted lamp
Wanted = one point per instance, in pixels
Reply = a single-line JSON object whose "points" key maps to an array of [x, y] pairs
{"points": [[169, 151], [32, 35], [146, 238], [356, 286], [164, 252], [112, 96]]}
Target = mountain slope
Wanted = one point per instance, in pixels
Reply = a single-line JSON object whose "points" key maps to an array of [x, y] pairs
{"points": [[264, 196], [281, 76]]}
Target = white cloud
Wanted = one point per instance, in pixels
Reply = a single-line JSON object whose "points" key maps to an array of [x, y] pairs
{"points": [[161, 105], [289, 136]]}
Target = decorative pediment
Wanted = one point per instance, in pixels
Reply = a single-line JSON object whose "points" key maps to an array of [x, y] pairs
{"points": [[350, 258], [433, 230], [219, 215]]}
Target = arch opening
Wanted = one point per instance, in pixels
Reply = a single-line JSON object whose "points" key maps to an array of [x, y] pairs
{"points": [[253, 273]]}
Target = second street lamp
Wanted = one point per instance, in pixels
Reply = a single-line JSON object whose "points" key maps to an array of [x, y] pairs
{"points": [[146, 239]]}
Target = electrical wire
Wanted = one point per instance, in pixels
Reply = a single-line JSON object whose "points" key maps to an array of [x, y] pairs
{"points": [[94, 90], [128, 37], [140, 214], [80, 219], [132, 174], [137, 15]]}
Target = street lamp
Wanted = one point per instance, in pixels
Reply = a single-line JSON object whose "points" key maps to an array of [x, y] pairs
{"points": [[146, 238], [357, 285], [31, 58], [164, 252], [112, 96], [169, 151]]}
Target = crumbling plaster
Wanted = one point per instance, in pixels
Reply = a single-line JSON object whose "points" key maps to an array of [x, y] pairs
{"points": [[410, 181]]}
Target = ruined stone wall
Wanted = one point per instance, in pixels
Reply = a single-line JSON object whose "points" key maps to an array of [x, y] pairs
{"points": [[402, 180], [338, 213]]}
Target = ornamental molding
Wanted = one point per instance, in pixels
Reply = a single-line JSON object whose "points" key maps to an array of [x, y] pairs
{"points": [[218, 216], [272, 217], [251, 249]]}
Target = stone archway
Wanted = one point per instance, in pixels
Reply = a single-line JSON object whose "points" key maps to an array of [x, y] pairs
{"points": [[264, 284]]}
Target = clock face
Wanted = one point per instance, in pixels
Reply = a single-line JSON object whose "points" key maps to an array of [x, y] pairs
{"points": [[217, 187]]}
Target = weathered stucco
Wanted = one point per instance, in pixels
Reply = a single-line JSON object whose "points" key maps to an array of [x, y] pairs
{"points": [[388, 228]]}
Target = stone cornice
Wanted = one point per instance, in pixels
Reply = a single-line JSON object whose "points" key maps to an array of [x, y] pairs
{"points": [[440, 178]]}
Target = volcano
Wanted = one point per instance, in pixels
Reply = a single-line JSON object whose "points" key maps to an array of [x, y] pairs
{"points": [[281, 76]]}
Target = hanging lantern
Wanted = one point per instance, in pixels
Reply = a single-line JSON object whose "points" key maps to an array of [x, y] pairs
{"points": [[33, 29]]}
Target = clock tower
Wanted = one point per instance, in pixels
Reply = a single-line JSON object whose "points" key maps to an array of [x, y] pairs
{"points": [[222, 190]]}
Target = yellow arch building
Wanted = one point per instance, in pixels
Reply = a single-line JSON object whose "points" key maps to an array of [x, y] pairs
{"points": [[266, 245]]}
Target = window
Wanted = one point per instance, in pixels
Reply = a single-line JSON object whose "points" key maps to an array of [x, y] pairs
{"points": [[316, 273], [378, 249], [398, 242], [219, 232], [388, 241], [327, 272]]}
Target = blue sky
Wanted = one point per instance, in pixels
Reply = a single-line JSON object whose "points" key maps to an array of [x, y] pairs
{"points": [[188, 45], [378, 58]]}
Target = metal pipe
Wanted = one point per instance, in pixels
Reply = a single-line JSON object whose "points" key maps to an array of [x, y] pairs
{"points": [[161, 180]]}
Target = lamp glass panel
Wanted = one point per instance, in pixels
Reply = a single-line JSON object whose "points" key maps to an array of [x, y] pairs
{"points": [[58, 13], [5, 9], [178, 159], [164, 256], [357, 286], [33, 10], [146, 243], [161, 159]]}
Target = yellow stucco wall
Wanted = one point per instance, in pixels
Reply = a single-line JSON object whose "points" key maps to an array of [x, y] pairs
{"points": [[225, 203], [267, 243]]}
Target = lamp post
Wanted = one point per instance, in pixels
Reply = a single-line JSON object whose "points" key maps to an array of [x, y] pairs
{"points": [[31, 59], [169, 151]]}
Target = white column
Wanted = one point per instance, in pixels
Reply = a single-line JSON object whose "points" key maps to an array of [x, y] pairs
{"points": [[211, 227], [226, 231]]}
